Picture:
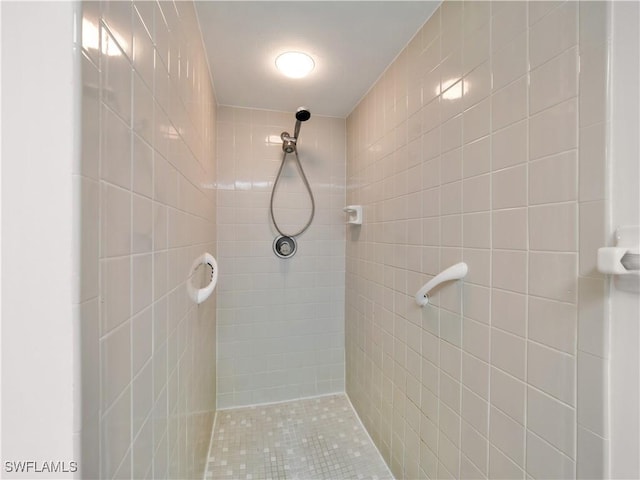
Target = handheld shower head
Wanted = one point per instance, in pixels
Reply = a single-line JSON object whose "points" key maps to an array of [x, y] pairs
{"points": [[302, 115]]}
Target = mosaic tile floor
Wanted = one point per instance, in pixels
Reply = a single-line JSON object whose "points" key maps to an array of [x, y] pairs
{"points": [[317, 438]]}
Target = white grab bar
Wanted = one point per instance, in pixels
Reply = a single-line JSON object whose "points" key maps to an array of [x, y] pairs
{"points": [[454, 272], [199, 295]]}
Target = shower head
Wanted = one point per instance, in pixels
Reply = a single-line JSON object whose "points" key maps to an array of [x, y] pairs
{"points": [[302, 115]]}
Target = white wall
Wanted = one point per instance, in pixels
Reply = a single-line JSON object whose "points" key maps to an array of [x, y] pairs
{"points": [[0, 234], [40, 92], [145, 202], [484, 142], [625, 210], [280, 321]]}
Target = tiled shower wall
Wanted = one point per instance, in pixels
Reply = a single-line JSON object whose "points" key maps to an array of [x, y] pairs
{"points": [[483, 142], [280, 321], [146, 207]]}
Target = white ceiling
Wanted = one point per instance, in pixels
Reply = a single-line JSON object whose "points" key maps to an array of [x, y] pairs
{"points": [[352, 43]]}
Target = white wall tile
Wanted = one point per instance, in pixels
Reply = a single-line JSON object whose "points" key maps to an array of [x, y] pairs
{"points": [[118, 19], [592, 451], [475, 375], [554, 81], [451, 102], [552, 371], [476, 121], [476, 229], [477, 85], [302, 306], [451, 198], [509, 311], [479, 263], [508, 353], [509, 145], [115, 364], [115, 75], [142, 225], [554, 130], [554, 33], [475, 447], [90, 153], [142, 452], [115, 151], [591, 221], [475, 15], [116, 435], [476, 303], [115, 221], [143, 105], [544, 461], [136, 108], [538, 128], [476, 47], [553, 323], [593, 326], [143, 50], [509, 270], [476, 339], [501, 466], [142, 161], [551, 420], [475, 411], [593, 76], [450, 166], [451, 230], [510, 62], [476, 158], [508, 394], [591, 161], [508, 22], [553, 275], [142, 338], [142, 402], [592, 401], [554, 227], [553, 179], [449, 424], [509, 188], [537, 10], [509, 105], [468, 470], [510, 229], [87, 215], [507, 435], [115, 292], [476, 194]]}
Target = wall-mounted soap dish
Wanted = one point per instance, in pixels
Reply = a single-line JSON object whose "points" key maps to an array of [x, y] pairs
{"points": [[354, 214]]}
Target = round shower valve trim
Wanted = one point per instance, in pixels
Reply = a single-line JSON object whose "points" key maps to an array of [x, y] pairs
{"points": [[284, 247]]}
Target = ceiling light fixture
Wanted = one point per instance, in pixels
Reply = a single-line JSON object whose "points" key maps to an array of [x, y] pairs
{"points": [[295, 64]]}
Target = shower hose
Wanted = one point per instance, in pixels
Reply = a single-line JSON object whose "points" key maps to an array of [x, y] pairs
{"points": [[306, 184]]}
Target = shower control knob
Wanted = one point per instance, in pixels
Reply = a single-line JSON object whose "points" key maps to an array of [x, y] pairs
{"points": [[284, 247]]}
